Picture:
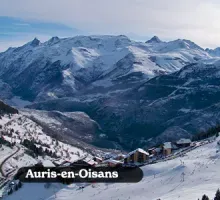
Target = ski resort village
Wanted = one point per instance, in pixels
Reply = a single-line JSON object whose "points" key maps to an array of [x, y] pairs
{"points": [[177, 170], [109, 100]]}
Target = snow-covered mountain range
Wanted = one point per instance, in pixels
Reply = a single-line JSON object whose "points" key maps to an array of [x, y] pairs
{"points": [[62, 67], [127, 87]]}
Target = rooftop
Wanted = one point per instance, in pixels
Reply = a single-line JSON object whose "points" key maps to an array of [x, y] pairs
{"points": [[138, 150], [113, 161], [167, 145], [183, 141]]}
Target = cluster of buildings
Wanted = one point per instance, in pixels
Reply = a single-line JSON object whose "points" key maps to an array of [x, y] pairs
{"points": [[141, 156], [168, 148], [136, 157]]}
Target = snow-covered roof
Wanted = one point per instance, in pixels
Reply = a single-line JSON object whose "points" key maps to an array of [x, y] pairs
{"points": [[113, 161], [158, 149], [167, 145], [138, 150], [66, 164], [109, 155], [120, 155], [98, 158], [90, 161], [184, 141], [48, 163], [123, 155]]}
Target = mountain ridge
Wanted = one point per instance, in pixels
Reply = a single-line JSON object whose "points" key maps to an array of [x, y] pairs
{"points": [[115, 80]]}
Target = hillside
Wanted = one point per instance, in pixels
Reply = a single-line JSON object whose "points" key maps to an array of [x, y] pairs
{"points": [[164, 108], [6, 109], [73, 127], [162, 180], [58, 137], [17, 129]]}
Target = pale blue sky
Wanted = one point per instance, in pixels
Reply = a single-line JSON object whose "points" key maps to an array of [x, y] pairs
{"points": [[16, 31], [197, 20]]}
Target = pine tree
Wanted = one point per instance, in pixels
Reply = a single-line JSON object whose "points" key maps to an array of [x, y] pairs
{"points": [[19, 184], [16, 187], [217, 195], [205, 197], [10, 191], [40, 150]]}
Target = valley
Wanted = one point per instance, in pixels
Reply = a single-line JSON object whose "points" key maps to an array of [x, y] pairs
{"points": [[126, 87]]}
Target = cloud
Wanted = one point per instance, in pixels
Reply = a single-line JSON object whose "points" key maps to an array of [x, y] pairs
{"points": [[191, 19]]}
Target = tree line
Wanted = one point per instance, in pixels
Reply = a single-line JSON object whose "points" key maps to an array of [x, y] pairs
{"points": [[37, 151], [206, 134], [217, 196]]}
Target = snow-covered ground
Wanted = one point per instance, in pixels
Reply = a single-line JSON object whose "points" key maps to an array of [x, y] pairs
{"points": [[94, 60], [15, 129], [4, 152], [18, 127], [18, 160], [162, 180], [24, 128]]}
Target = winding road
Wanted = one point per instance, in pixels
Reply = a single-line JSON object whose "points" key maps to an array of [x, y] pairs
{"points": [[5, 160]]}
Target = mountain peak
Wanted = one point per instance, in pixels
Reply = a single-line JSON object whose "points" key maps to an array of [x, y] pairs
{"points": [[35, 42], [54, 40], [154, 39], [187, 44], [213, 52]]}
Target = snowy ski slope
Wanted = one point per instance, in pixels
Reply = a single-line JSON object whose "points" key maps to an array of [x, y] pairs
{"points": [[162, 180]]}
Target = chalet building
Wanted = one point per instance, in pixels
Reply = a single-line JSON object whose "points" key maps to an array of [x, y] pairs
{"points": [[97, 159], [183, 143], [80, 163], [84, 163], [103, 164], [109, 155], [63, 163], [92, 162], [137, 156], [167, 148], [112, 163], [174, 147], [120, 157], [151, 151], [155, 151], [158, 151]]}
